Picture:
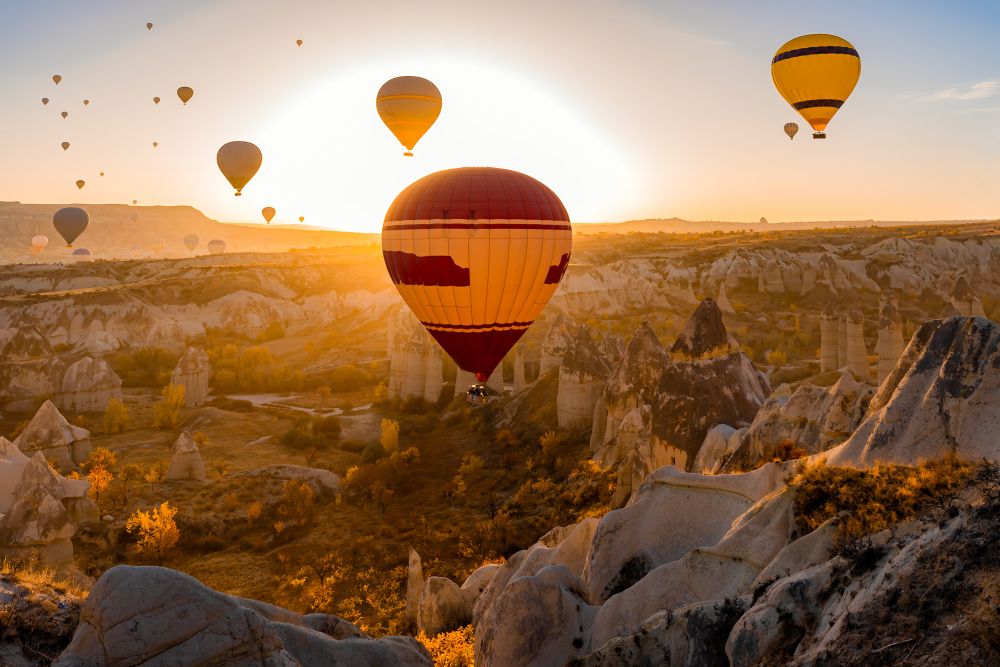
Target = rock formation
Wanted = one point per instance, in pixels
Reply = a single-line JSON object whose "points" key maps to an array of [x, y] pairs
{"points": [[415, 364], [656, 411], [186, 463], [193, 371], [723, 300], [964, 300], [59, 441], [88, 385], [890, 344], [854, 344], [558, 339], [520, 379], [414, 586], [147, 616], [829, 345], [582, 373], [29, 366], [39, 509]]}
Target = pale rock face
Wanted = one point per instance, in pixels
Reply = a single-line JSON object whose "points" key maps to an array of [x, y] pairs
{"points": [[582, 374], [857, 355], [628, 284], [186, 463], [48, 432], [829, 331], [558, 340], [720, 442], [520, 380], [964, 300], [809, 417], [28, 366], [723, 300], [415, 364], [147, 616], [841, 343], [193, 372], [940, 398], [443, 605], [414, 586], [88, 385], [36, 521], [890, 344]]}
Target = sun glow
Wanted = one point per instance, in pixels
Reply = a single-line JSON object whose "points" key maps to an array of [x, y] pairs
{"points": [[329, 158]]}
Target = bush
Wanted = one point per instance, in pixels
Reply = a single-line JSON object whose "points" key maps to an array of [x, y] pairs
{"points": [[115, 416], [156, 531], [145, 367], [167, 412], [451, 649], [231, 404], [317, 433], [390, 435]]}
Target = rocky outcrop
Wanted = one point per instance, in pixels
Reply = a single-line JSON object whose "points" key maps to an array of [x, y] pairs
{"points": [[941, 398], [854, 343], [808, 417], [842, 342], [520, 379], [155, 616], [415, 366], [444, 605], [582, 373], [964, 300], [829, 345], [29, 366], [414, 586], [59, 441], [186, 463], [558, 339], [193, 372], [87, 386], [890, 344], [657, 411], [39, 618]]}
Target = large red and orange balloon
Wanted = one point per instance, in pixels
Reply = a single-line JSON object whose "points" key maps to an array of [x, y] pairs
{"points": [[476, 253]]}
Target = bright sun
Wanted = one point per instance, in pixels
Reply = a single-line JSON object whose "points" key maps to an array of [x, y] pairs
{"points": [[329, 158]]}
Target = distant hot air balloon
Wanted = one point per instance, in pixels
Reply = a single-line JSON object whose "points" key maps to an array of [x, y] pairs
{"points": [[185, 93], [217, 246], [298, 42], [134, 202], [158, 246], [86, 103], [239, 161], [70, 223], [156, 100], [82, 253], [102, 174], [45, 101], [791, 129], [38, 244], [302, 218], [155, 144], [476, 253], [268, 213], [65, 145], [64, 114], [80, 184], [149, 26], [191, 242], [408, 105], [816, 74], [56, 78]]}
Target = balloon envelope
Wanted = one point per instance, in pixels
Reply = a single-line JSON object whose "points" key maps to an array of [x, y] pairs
{"points": [[56, 78], [191, 241], [64, 145], [302, 218], [791, 129], [156, 100], [408, 105], [64, 114], [298, 42], [45, 101], [149, 26], [185, 93], [38, 244], [476, 253], [86, 102], [239, 161], [216, 246], [80, 184], [816, 74], [268, 213], [70, 223], [81, 252]]}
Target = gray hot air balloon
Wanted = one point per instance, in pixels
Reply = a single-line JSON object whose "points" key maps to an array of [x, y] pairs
{"points": [[217, 246], [70, 223], [191, 242], [81, 252], [239, 161]]}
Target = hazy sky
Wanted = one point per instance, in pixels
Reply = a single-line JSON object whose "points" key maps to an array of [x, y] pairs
{"points": [[627, 109]]}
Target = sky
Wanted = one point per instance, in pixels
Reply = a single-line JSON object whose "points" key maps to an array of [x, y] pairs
{"points": [[627, 109]]}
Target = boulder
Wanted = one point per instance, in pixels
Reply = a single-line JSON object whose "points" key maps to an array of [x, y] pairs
{"points": [[59, 441], [186, 463], [88, 385], [36, 523], [414, 587], [155, 616], [193, 371]]}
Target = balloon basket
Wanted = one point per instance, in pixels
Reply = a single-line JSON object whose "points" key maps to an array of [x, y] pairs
{"points": [[407, 154], [819, 135]]}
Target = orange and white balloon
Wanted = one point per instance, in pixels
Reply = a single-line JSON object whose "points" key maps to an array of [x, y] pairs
{"points": [[476, 253]]}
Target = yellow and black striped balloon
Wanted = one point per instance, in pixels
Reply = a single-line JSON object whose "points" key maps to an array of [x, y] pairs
{"points": [[816, 74]]}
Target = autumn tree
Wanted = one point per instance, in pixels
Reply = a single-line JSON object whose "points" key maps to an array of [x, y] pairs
{"points": [[390, 435], [167, 411], [99, 478], [115, 416], [156, 531]]}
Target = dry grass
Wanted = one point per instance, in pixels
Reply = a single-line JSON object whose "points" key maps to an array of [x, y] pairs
{"points": [[37, 577]]}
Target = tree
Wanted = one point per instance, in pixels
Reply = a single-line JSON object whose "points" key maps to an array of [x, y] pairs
{"points": [[115, 416], [220, 466], [324, 394], [167, 412], [297, 502], [99, 478], [156, 530], [156, 473], [101, 457], [390, 435]]}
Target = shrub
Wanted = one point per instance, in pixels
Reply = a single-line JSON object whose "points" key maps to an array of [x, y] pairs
{"points": [[316, 433], [156, 531], [389, 435], [451, 649], [115, 416], [145, 367], [167, 411], [99, 478]]}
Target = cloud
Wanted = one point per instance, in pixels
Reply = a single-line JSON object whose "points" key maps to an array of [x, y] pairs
{"points": [[977, 91]]}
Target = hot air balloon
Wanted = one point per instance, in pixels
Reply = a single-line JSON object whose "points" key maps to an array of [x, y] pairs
{"points": [[56, 78], [816, 74], [239, 161], [65, 145], [102, 174], [476, 253], [298, 42], [791, 129], [268, 213], [191, 242], [156, 100], [302, 218], [158, 246], [82, 253], [38, 244], [45, 101], [185, 93], [217, 246], [155, 144], [70, 223], [86, 103], [134, 202], [149, 26], [64, 114], [80, 184], [408, 105]]}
